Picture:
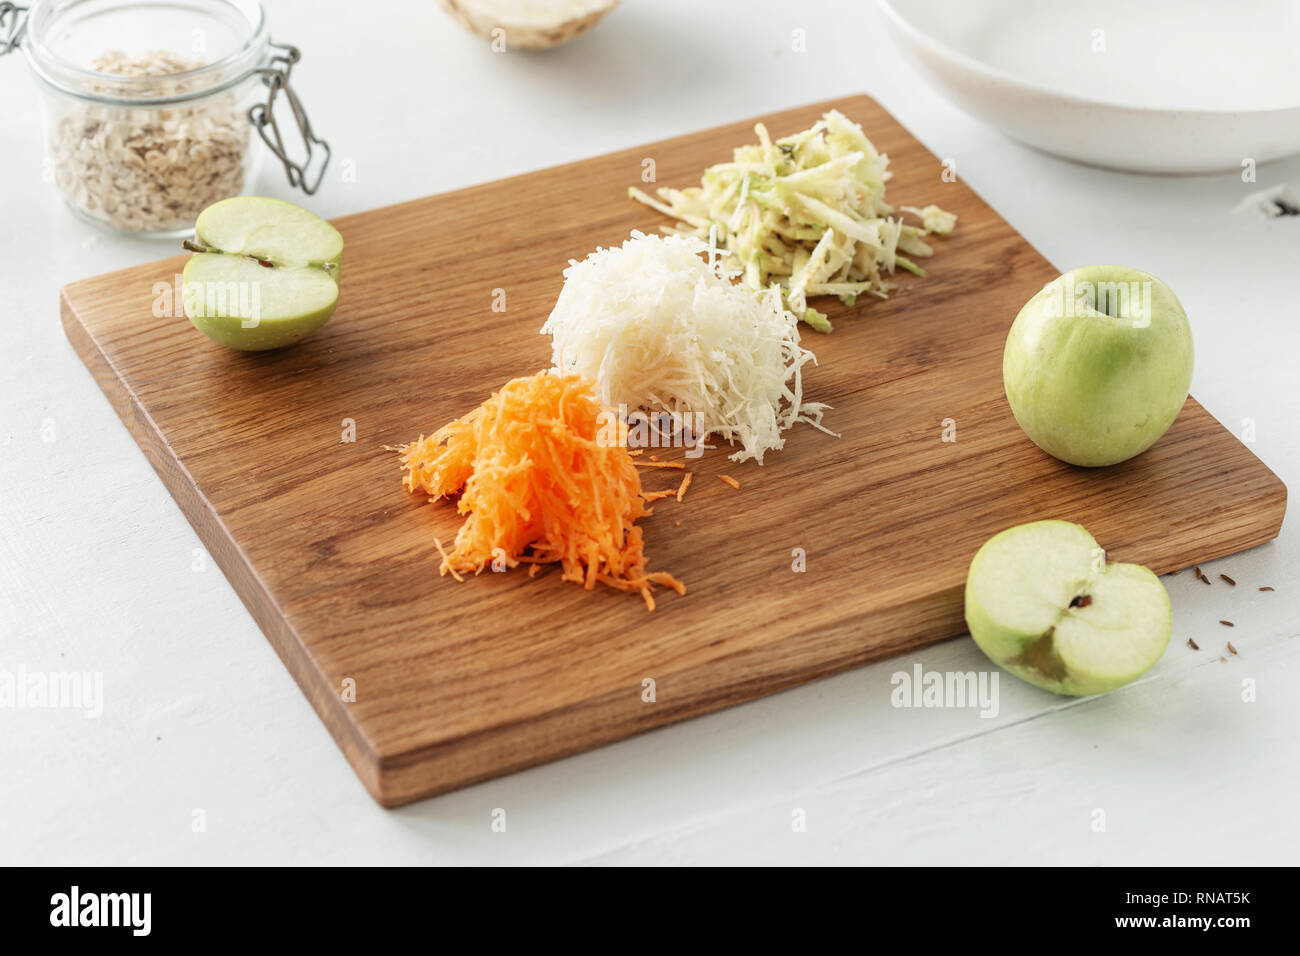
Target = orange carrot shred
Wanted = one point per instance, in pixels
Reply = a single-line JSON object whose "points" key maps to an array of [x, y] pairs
{"points": [[540, 483], [686, 483], [656, 495], [667, 580], [728, 480], [659, 464], [445, 565]]}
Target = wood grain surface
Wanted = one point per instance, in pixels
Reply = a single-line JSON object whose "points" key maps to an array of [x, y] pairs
{"points": [[457, 683]]}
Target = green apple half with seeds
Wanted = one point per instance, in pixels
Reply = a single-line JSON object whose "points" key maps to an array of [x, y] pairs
{"points": [[1098, 364], [1042, 601], [266, 274]]}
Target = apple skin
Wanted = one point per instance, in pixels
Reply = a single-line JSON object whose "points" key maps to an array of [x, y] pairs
{"points": [[1094, 389]]}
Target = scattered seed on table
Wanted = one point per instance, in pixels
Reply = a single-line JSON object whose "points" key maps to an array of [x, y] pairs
{"points": [[1228, 579], [1266, 589], [1193, 645], [1231, 648], [1227, 624], [1223, 660]]}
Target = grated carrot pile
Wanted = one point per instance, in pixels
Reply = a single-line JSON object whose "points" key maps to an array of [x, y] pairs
{"points": [[540, 486]]}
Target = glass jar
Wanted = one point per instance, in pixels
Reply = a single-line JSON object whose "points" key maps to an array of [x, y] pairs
{"points": [[148, 105]]}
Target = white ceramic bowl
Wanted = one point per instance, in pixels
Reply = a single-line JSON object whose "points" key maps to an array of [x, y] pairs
{"points": [[1158, 86]]}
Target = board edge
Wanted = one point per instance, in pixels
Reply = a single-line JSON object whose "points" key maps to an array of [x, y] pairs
{"points": [[348, 734]]}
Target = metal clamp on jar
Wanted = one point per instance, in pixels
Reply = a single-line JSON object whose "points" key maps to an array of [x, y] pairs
{"points": [[148, 105]]}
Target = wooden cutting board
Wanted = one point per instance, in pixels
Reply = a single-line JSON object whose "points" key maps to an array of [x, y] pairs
{"points": [[456, 683]]}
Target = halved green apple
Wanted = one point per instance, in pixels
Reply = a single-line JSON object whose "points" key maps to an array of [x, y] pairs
{"points": [[1043, 602], [266, 273]]}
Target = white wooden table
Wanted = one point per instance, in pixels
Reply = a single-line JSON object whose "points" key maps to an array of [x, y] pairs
{"points": [[99, 572]]}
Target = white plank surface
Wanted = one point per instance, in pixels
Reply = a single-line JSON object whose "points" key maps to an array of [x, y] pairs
{"points": [[98, 567]]}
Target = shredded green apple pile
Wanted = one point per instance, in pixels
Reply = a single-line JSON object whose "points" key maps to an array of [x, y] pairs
{"points": [[807, 214]]}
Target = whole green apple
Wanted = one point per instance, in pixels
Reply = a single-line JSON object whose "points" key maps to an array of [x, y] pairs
{"points": [[1098, 364]]}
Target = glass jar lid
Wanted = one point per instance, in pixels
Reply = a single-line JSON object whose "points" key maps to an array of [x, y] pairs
{"points": [[226, 40]]}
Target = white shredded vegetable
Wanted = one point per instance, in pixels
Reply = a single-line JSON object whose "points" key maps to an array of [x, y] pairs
{"points": [[658, 327]]}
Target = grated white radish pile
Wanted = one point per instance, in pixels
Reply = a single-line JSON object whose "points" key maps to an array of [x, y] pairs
{"points": [[658, 327]]}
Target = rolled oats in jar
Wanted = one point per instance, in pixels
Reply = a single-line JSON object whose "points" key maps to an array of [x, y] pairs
{"points": [[148, 170], [151, 105]]}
